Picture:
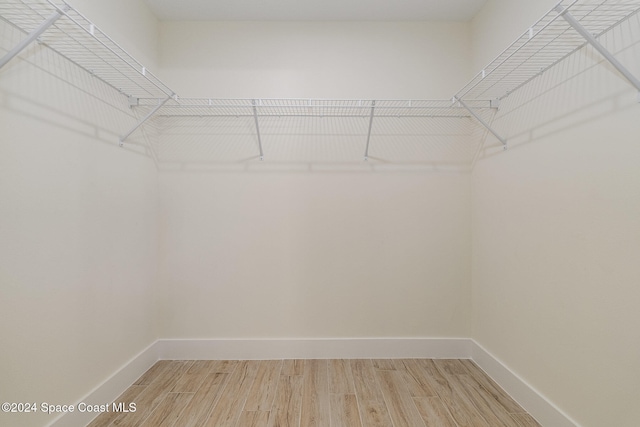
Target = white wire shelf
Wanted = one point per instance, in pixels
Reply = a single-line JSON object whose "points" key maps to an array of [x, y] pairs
{"points": [[285, 130], [550, 40], [77, 39], [452, 128], [201, 107], [301, 136]]}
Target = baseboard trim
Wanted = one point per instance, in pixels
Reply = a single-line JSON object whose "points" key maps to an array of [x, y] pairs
{"points": [[529, 398], [112, 387], [534, 402], [347, 348]]}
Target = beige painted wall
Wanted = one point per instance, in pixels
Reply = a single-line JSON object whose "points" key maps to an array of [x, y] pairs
{"points": [[341, 60], [286, 255], [499, 23], [556, 233], [78, 233], [308, 255], [273, 255], [129, 23]]}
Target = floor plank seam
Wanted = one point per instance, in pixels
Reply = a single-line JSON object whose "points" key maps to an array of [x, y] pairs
{"points": [[327, 393]]}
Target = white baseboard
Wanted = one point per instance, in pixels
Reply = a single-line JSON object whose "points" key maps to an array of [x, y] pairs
{"points": [[111, 388], [530, 399], [381, 348], [534, 402]]}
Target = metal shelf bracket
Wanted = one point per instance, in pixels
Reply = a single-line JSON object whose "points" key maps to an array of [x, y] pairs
{"points": [[34, 35], [145, 118], [599, 47], [255, 117], [366, 151], [481, 121]]}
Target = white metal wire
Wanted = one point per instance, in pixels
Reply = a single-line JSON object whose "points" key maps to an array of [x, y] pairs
{"points": [[404, 132], [550, 40], [311, 139], [78, 40], [432, 131], [313, 108]]}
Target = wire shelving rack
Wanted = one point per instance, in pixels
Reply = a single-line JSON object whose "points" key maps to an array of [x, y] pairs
{"points": [[547, 42], [564, 30]]}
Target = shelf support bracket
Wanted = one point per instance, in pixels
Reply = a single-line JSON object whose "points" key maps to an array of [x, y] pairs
{"points": [[255, 117], [481, 121], [34, 35], [145, 118], [366, 151], [598, 46]]}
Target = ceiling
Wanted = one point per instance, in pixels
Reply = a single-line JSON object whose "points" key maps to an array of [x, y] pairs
{"points": [[318, 10]]}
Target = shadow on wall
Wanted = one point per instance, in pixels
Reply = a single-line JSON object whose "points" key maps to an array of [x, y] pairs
{"points": [[580, 89], [313, 144], [51, 89], [584, 87], [45, 86]]}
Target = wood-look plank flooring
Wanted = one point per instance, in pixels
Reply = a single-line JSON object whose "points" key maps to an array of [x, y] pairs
{"points": [[317, 393]]}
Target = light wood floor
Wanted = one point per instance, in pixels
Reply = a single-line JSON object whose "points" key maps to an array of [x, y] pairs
{"points": [[308, 393]]}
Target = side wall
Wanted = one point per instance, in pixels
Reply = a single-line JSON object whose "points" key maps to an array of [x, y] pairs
{"points": [[78, 227], [556, 230]]}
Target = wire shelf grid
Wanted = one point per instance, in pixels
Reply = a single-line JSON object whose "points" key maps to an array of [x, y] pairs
{"points": [[550, 40], [77, 39], [313, 108]]}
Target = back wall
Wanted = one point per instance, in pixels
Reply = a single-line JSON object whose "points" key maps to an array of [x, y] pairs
{"points": [[291, 255], [343, 60], [259, 254]]}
